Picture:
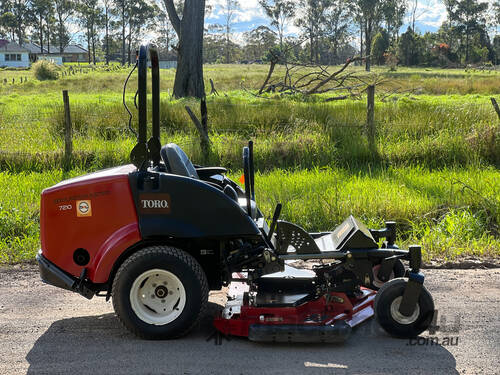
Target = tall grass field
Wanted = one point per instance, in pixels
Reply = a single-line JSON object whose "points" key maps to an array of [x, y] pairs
{"points": [[433, 168]]}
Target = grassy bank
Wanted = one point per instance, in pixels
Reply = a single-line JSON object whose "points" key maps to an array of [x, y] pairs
{"points": [[434, 131], [452, 213], [229, 77]]}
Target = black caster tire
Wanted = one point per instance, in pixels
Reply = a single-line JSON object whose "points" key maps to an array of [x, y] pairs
{"points": [[387, 313], [398, 270], [160, 292]]}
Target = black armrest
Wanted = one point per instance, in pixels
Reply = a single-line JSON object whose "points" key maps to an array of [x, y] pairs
{"points": [[205, 172]]}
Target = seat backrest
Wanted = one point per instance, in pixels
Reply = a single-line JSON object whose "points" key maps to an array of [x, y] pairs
{"points": [[177, 162]]}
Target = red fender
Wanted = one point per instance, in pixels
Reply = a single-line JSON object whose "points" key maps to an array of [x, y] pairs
{"points": [[111, 250]]}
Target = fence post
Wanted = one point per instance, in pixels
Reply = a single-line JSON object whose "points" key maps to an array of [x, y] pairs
{"points": [[68, 131], [495, 105], [370, 112]]}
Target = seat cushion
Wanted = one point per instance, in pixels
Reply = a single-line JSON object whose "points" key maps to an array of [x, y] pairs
{"points": [[177, 162]]}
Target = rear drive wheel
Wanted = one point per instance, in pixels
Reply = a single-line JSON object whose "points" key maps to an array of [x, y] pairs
{"points": [[387, 313], [160, 292], [398, 270]]}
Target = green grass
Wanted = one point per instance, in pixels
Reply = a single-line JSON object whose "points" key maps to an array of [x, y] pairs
{"points": [[452, 212], [436, 131], [434, 167], [228, 77]]}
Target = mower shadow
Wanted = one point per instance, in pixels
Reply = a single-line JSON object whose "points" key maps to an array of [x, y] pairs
{"points": [[99, 344]]}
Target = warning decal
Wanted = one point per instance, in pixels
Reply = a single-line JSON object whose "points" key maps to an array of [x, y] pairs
{"points": [[83, 208]]}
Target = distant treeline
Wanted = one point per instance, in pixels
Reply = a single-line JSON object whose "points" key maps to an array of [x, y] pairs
{"points": [[112, 29]]}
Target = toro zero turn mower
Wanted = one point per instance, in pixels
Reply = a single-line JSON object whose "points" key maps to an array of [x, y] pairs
{"points": [[158, 234]]}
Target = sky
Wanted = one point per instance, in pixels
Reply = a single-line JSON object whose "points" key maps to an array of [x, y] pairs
{"points": [[430, 16]]}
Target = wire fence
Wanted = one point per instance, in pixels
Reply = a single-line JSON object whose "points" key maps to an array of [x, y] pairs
{"points": [[19, 130]]}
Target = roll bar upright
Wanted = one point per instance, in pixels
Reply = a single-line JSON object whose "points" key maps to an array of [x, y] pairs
{"points": [[145, 152]]}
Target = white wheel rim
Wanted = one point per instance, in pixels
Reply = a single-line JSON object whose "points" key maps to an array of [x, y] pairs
{"points": [[157, 297], [400, 318], [376, 281]]}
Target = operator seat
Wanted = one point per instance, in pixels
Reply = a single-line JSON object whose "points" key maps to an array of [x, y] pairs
{"points": [[177, 162]]}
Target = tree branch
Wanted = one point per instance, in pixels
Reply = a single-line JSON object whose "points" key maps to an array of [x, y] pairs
{"points": [[173, 16], [325, 81], [269, 74]]}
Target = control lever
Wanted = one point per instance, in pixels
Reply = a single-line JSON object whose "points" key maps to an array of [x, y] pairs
{"points": [[276, 216]]}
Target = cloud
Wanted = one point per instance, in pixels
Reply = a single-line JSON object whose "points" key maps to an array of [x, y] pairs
{"points": [[431, 13]]}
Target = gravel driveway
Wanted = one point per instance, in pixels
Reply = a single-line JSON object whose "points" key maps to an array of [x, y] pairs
{"points": [[45, 330]]}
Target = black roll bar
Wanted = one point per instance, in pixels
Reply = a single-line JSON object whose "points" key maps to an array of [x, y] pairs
{"points": [[142, 94], [246, 174], [150, 150], [154, 144], [252, 171]]}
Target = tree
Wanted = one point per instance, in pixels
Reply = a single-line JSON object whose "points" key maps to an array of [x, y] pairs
{"points": [[214, 44], [496, 13], [63, 9], [393, 12], [258, 42], [229, 8], [337, 30], [167, 36], [468, 16], [141, 16], [371, 12], [42, 10], [90, 17], [410, 48], [15, 18], [379, 45], [107, 14], [279, 12], [189, 30], [496, 47], [8, 23], [122, 11], [311, 22]]}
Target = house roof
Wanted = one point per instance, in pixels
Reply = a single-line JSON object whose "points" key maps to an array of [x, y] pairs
{"points": [[6, 46], [33, 48], [75, 48], [72, 48]]}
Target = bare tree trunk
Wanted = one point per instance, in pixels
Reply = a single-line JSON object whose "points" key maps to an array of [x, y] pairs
{"points": [[361, 37], [89, 46], [41, 33], [189, 73], [368, 44], [228, 52], [61, 33], [48, 39], [93, 47], [107, 36], [123, 35], [467, 45], [311, 45]]}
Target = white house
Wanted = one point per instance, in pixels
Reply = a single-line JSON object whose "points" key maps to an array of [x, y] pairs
{"points": [[13, 55], [165, 64], [72, 52]]}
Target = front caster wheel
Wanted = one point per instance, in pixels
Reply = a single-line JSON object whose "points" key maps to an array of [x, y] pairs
{"points": [[160, 292], [398, 270], [387, 313]]}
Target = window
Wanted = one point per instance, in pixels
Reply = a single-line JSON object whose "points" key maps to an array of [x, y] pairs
{"points": [[13, 57]]}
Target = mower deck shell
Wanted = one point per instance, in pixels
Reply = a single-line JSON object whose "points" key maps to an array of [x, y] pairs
{"points": [[320, 315]]}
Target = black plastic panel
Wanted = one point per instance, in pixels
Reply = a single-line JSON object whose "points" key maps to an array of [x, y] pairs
{"points": [[352, 234], [187, 208], [335, 333]]}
